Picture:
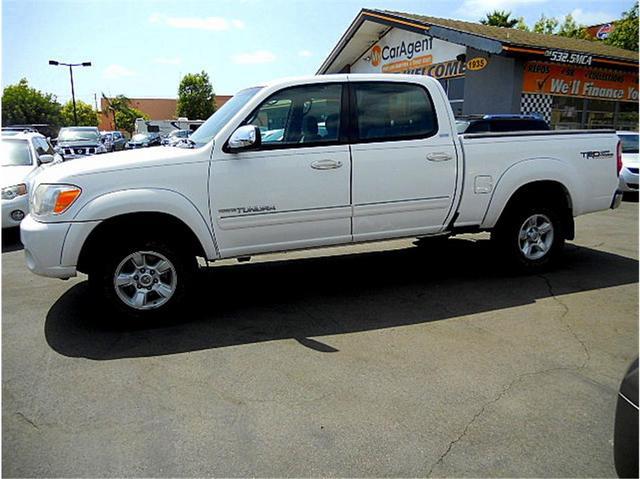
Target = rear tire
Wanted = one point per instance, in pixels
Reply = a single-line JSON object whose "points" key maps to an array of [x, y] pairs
{"points": [[530, 237], [143, 279]]}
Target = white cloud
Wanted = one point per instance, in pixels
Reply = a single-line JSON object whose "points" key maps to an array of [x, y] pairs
{"points": [[259, 56], [117, 71], [168, 60], [591, 17], [218, 24], [476, 9], [304, 53]]}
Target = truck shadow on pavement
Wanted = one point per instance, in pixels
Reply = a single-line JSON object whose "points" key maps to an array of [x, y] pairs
{"points": [[305, 299]]}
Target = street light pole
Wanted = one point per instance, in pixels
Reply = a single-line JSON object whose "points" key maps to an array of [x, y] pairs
{"points": [[73, 93], [73, 97]]}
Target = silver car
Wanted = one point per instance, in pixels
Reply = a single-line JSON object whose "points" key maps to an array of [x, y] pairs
{"points": [[23, 155], [630, 164]]}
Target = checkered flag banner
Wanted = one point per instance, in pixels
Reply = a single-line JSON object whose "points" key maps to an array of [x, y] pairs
{"points": [[536, 103]]}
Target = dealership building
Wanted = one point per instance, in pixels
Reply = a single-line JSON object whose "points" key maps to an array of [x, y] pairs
{"points": [[572, 83]]}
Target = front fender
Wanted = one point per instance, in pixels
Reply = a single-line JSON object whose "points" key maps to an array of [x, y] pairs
{"points": [[156, 200], [529, 171]]}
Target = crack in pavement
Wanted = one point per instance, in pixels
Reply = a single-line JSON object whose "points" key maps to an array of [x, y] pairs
{"points": [[565, 323], [27, 420], [502, 393]]}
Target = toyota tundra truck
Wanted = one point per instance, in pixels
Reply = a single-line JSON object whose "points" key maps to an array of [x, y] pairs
{"points": [[307, 163]]}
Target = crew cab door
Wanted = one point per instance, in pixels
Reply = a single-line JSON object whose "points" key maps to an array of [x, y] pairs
{"points": [[404, 164], [293, 191]]}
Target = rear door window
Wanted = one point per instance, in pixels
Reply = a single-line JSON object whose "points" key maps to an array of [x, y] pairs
{"points": [[393, 111]]}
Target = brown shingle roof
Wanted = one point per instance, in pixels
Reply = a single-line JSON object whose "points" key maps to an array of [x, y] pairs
{"points": [[513, 36]]}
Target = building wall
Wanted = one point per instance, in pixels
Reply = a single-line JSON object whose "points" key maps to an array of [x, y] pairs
{"points": [[496, 88]]}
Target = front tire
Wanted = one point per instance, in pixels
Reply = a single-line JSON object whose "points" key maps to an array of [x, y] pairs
{"points": [[530, 237], [143, 279]]}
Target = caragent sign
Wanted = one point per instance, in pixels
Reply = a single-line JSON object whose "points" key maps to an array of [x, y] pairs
{"points": [[406, 52]]}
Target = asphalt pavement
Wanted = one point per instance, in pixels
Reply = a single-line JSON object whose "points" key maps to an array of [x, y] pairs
{"points": [[375, 360]]}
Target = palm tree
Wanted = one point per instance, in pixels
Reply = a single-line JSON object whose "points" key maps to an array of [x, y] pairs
{"points": [[499, 18]]}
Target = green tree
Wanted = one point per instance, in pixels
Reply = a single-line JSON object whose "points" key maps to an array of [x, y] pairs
{"points": [[521, 25], [196, 99], [126, 119], [500, 18], [625, 31], [124, 114], [87, 116], [22, 104], [546, 25], [569, 28]]}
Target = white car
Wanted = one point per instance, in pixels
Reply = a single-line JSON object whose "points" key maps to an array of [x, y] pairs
{"points": [[23, 155], [387, 164], [630, 162]]}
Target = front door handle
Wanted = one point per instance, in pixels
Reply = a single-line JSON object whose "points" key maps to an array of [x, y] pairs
{"points": [[440, 156], [326, 164]]}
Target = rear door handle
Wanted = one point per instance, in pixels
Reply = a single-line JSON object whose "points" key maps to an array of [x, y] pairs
{"points": [[440, 156], [326, 164]]}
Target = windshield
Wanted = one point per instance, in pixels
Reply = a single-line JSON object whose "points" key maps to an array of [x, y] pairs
{"points": [[15, 153], [219, 119], [69, 134], [629, 143]]}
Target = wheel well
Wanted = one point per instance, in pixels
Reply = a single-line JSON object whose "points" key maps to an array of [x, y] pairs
{"points": [[549, 193], [161, 225]]}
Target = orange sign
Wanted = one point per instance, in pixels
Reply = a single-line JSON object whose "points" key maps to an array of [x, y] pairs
{"points": [[477, 63], [564, 80], [376, 55]]}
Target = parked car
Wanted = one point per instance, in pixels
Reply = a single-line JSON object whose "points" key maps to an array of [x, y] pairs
{"points": [[23, 154], [175, 137], [487, 123], [79, 141], [390, 165], [143, 140], [113, 140], [625, 436], [630, 162]]}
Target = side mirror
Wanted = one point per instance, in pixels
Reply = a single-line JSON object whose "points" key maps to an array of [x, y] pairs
{"points": [[245, 137], [44, 159]]}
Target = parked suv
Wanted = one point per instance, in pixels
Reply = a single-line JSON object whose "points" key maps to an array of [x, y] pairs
{"points": [[78, 141], [500, 123], [113, 140]]}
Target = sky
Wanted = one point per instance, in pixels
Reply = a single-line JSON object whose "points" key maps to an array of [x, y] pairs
{"points": [[142, 48]]}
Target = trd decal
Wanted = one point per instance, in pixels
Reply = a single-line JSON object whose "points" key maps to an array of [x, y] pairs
{"points": [[596, 154]]}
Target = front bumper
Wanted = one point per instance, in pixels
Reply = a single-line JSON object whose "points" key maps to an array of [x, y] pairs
{"points": [[43, 244], [19, 203]]}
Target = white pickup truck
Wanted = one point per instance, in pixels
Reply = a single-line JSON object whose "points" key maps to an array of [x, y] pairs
{"points": [[305, 163]]}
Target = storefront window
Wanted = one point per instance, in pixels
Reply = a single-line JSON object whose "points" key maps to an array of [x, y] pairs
{"points": [[600, 114], [627, 116], [566, 112], [585, 113]]}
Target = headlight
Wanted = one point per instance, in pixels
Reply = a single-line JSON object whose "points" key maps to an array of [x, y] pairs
{"points": [[10, 192], [53, 199]]}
